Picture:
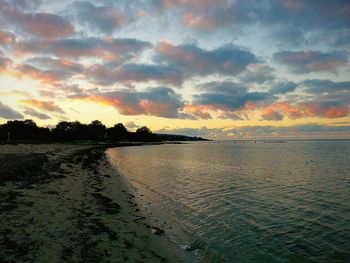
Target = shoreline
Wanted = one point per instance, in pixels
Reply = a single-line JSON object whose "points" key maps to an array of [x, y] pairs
{"points": [[75, 207]]}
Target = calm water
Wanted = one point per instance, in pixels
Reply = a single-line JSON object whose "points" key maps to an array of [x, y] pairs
{"points": [[249, 202]]}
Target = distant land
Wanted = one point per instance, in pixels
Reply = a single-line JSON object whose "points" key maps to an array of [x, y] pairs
{"points": [[28, 131]]}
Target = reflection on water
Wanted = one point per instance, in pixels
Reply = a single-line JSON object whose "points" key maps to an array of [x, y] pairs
{"points": [[250, 202]]}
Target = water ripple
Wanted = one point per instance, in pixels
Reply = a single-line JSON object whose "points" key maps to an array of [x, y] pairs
{"points": [[249, 202]]}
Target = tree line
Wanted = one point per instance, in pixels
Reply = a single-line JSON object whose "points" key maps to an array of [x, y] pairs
{"points": [[16, 130]]}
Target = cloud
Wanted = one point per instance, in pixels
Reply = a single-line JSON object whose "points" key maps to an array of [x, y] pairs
{"points": [[288, 23], [105, 19], [36, 114], [159, 101], [104, 75], [258, 73], [45, 76], [324, 109], [25, 4], [226, 60], [108, 49], [49, 70], [45, 25], [201, 4], [7, 38], [41, 24], [209, 21], [62, 64], [320, 86], [295, 131], [7, 113], [226, 100], [4, 63], [312, 130], [302, 62], [271, 115], [200, 111], [228, 96], [131, 125], [229, 100], [283, 87], [202, 14], [327, 109], [44, 105]]}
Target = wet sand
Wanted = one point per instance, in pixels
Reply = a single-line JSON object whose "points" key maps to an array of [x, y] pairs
{"points": [[64, 202]]}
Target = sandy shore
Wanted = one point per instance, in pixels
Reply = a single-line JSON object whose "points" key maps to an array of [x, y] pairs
{"points": [[62, 202]]}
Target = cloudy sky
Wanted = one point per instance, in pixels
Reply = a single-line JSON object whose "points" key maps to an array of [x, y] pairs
{"points": [[220, 69]]}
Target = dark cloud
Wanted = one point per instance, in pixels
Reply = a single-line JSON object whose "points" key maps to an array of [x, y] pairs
{"points": [[7, 38], [159, 101], [320, 86], [104, 19], [45, 25], [40, 24], [62, 69], [7, 113], [36, 114], [25, 4], [303, 62], [104, 75], [228, 95], [109, 49], [258, 73], [227, 59], [288, 17], [283, 87], [341, 38], [49, 76]]}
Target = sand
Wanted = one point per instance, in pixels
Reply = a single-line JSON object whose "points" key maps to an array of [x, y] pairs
{"points": [[64, 202]]}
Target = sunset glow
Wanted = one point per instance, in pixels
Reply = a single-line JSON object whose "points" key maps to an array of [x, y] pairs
{"points": [[217, 69]]}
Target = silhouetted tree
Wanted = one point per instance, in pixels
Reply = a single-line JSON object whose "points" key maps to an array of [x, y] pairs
{"points": [[23, 130], [143, 134], [144, 130], [118, 132], [96, 130], [68, 131], [73, 131]]}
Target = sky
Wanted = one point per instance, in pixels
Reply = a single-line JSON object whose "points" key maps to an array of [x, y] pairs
{"points": [[223, 69]]}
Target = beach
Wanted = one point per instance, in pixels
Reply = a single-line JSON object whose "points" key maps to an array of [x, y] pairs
{"points": [[64, 202]]}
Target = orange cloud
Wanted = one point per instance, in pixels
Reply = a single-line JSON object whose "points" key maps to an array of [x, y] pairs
{"points": [[7, 38], [271, 114], [48, 77], [198, 21], [327, 111], [202, 4], [198, 110], [44, 105], [46, 25], [277, 110], [166, 48]]}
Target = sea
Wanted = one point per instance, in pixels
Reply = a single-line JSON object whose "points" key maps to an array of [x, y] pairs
{"points": [[247, 201]]}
